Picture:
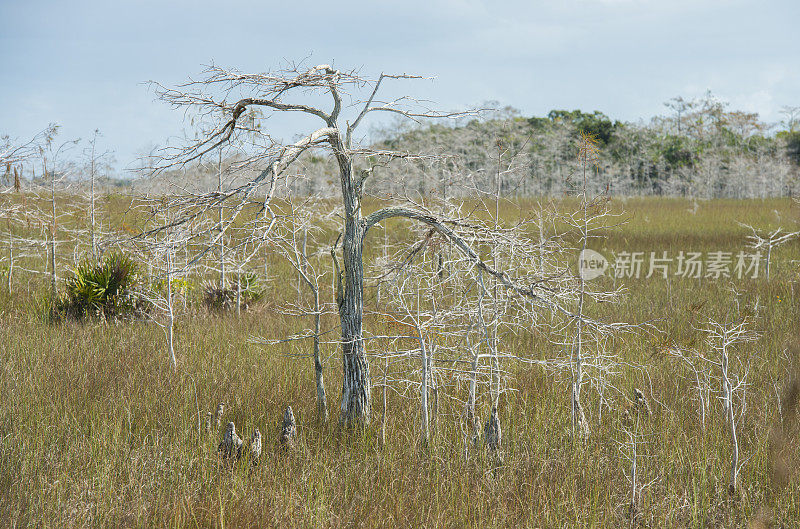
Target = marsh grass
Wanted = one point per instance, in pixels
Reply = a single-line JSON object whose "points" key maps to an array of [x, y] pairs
{"points": [[97, 430]]}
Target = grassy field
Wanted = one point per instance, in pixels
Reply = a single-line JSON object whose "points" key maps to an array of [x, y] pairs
{"points": [[96, 429]]}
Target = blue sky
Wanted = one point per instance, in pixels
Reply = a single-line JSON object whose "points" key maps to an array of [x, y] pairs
{"points": [[83, 64]]}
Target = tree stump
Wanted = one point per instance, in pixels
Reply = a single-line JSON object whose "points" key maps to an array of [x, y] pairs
{"points": [[231, 446], [218, 415], [642, 406], [581, 425], [493, 435], [255, 448], [289, 432]]}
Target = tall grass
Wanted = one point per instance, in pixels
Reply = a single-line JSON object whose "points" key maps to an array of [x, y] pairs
{"points": [[97, 430]]}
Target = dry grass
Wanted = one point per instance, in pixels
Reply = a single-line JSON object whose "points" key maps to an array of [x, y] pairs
{"points": [[97, 430]]}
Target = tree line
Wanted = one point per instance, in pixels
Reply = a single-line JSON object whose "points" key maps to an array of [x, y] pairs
{"points": [[700, 148]]}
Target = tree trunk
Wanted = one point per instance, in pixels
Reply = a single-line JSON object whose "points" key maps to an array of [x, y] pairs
{"points": [[472, 422], [732, 486], [322, 401], [435, 407], [356, 405], [91, 212], [355, 383], [769, 255], [170, 315], [579, 424], [726, 388], [425, 434], [220, 219], [238, 293], [10, 262], [53, 275]]}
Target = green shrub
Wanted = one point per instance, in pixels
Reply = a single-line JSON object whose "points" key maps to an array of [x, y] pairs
{"points": [[100, 289], [221, 299], [252, 288]]}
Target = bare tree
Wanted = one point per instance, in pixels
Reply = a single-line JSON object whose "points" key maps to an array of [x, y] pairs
{"points": [[269, 159], [630, 451], [34, 212], [96, 162], [12, 157], [681, 107], [792, 119], [56, 175], [305, 221], [767, 241], [13, 152], [592, 216], [722, 339], [160, 248], [421, 319], [725, 373]]}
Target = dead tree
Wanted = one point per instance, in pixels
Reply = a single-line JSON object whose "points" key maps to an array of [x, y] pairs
{"points": [[718, 370], [695, 362], [297, 240], [56, 174], [630, 451], [13, 152], [767, 241], [56, 177], [12, 212], [419, 319], [159, 248], [220, 411], [289, 430], [230, 448], [722, 338], [225, 99], [96, 161], [13, 155], [255, 447]]}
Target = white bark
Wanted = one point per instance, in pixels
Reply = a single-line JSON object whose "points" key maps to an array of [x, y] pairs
{"points": [[92, 242], [322, 401], [10, 278], [170, 315], [425, 430], [221, 226], [52, 242]]}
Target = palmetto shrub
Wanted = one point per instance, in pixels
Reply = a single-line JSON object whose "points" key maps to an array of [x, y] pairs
{"points": [[220, 299], [100, 289]]}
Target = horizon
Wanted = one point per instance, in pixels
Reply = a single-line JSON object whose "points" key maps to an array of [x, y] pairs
{"points": [[624, 58]]}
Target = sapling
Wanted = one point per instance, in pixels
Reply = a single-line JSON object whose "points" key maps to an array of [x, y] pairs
{"points": [[160, 248], [767, 241], [723, 366], [722, 339], [304, 222]]}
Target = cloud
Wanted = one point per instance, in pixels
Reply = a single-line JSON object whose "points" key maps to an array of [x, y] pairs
{"points": [[83, 63]]}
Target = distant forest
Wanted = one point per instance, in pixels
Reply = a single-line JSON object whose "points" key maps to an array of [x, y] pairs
{"points": [[699, 148]]}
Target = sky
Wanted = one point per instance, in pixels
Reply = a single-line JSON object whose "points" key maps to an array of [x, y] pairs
{"points": [[85, 64]]}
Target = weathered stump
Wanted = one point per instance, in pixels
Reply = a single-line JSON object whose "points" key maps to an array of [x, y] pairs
{"points": [[581, 425], [493, 435], [642, 406], [289, 432], [231, 446], [218, 415], [255, 447]]}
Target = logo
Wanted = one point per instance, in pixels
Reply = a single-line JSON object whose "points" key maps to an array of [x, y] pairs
{"points": [[591, 264]]}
